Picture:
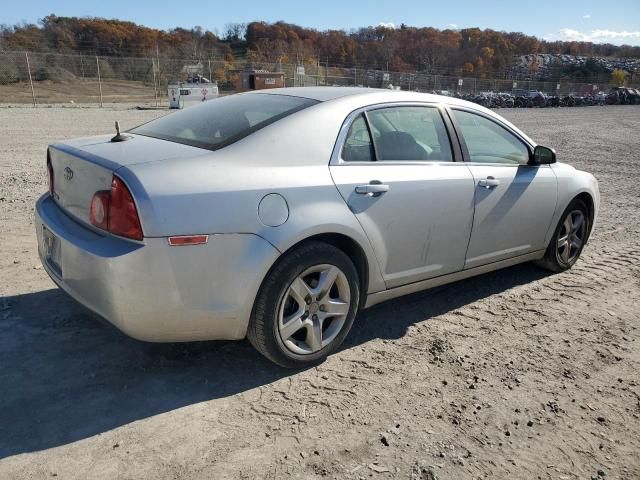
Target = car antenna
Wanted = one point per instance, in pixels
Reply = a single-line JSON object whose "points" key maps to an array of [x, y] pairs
{"points": [[119, 137]]}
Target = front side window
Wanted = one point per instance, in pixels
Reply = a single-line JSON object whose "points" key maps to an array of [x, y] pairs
{"points": [[488, 142], [409, 134], [220, 122]]}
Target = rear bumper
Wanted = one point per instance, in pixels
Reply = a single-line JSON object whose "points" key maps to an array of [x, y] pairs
{"points": [[152, 291]]}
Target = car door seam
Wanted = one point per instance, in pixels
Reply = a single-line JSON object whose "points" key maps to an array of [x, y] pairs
{"points": [[364, 232], [473, 216]]}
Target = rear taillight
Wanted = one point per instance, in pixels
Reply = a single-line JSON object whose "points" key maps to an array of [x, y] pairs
{"points": [[115, 211], [50, 173], [123, 216], [99, 211]]}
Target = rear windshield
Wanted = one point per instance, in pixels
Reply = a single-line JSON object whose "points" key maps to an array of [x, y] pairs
{"points": [[220, 122]]}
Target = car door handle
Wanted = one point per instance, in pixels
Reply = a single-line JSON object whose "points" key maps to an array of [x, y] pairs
{"points": [[372, 189], [489, 182]]}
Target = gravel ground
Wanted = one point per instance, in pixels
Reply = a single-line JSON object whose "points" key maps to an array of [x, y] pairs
{"points": [[514, 374]]}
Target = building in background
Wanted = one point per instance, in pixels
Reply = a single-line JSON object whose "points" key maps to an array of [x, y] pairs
{"points": [[251, 79]]}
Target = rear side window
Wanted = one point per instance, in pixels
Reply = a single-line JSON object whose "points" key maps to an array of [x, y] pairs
{"points": [[220, 122], [358, 146], [409, 134]]}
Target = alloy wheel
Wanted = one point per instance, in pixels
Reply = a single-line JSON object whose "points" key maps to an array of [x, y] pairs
{"points": [[314, 309], [571, 237]]}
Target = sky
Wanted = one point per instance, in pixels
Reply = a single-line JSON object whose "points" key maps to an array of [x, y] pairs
{"points": [[597, 21]]}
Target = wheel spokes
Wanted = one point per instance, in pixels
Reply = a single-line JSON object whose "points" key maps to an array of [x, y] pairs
{"points": [[325, 283], [314, 309], [291, 326], [567, 224], [576, 242], [570, 239], [576, 223], [314, 335], [336, 307], [300, 291], [563, 241]]}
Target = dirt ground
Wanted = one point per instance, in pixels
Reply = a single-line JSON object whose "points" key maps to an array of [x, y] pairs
{"points": [[82, 91], [513, 374]]}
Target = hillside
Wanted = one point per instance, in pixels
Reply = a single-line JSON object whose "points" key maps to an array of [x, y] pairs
{"points": [[472, 51]]}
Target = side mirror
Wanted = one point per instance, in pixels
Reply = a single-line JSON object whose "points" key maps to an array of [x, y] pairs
{"points": [[543, 155]]}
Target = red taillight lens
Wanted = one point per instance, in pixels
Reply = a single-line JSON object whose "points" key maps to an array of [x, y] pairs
{"points": [[115, 211], [123, 216], [50, 172], [99, 211]]}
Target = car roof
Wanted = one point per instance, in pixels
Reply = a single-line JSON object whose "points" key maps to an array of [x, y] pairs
{"points": [[367, 95], [362, 97], [321, 94], [324, 94]]}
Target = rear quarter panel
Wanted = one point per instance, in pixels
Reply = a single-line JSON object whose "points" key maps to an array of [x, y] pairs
{"points": [[220, 192]]}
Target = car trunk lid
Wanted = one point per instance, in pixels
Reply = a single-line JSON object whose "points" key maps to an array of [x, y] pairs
{"points": [[82, 167]]}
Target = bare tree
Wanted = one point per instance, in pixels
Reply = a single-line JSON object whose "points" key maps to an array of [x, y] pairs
{"points": [[235, 32]]}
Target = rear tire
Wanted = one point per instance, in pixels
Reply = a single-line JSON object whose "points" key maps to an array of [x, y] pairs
{"points": [[305, 306], [568, 239]]}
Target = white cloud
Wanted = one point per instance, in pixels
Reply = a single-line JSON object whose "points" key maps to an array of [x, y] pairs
{"points": [[387, 25], [573, 35], [453, 25], [598, 36], [587, 16]]}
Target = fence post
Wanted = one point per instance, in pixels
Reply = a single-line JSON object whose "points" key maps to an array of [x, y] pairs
{"points": [[33, 93], [82, 67], [210, 72], [155, 86], [99, 79], [326, 73]]}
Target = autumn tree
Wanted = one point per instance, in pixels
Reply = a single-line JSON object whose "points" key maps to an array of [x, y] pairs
{"points": [[618, 77], [403, 49]]}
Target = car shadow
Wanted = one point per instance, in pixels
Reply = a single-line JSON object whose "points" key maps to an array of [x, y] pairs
{"points": [[65, 376]]}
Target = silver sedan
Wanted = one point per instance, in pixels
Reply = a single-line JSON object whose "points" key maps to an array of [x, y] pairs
{"points": [[278, 215]]}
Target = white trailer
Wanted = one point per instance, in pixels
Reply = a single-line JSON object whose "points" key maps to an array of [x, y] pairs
{"points": [[187, 94]]}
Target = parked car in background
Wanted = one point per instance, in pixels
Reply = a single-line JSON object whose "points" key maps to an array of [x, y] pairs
{"points": [[278, 215]]}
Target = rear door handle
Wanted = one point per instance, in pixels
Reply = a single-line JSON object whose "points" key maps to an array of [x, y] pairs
{"points": [[489, 182], [372, 189]]}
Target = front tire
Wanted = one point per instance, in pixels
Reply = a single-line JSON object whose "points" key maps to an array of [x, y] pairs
{"points": [[306, 306], [568, 238]]}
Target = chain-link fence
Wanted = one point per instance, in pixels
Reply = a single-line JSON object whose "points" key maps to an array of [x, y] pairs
{"points": [[43, 78]]}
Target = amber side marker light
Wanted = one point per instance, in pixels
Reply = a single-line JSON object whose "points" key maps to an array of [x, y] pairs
{"points": [[188, 240]]}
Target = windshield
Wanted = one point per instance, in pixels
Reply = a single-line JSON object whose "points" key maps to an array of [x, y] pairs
{"points": [[220, 122]]}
